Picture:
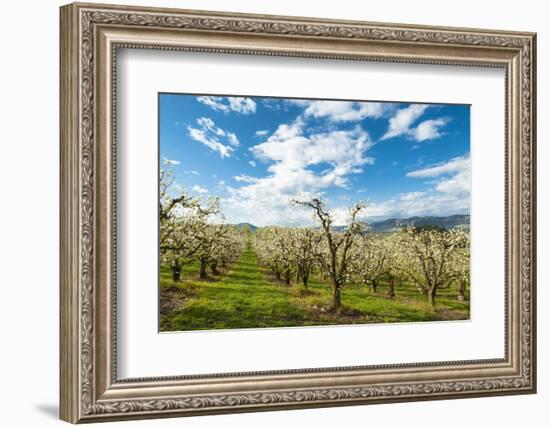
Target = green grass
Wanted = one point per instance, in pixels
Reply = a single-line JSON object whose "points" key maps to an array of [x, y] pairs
{"points": [[246, 296]]}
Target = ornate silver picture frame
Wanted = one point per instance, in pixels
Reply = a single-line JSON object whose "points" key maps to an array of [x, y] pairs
{"points": [[91, 35]]}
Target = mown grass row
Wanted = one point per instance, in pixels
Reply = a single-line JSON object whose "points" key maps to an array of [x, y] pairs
{"points": [[246, 296]]}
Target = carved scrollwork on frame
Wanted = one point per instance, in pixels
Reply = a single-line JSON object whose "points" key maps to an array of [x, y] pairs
{"points": [[89, 18]]}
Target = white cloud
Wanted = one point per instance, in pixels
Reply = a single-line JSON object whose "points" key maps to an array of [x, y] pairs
{"points": [[166, 161], [212, 143], [403, 120], [340, 215], [293, 152], [209, 134], [209, 124], [233, 139], [199, 189], [260, 133], [214, 102], [245, 178], [275, 104], [456, 164], [242, 105], [413, 195], [301, 166], [229, 103], [340, 111], [453, 177], [428, 203], [429, 129], [449, 193], [252, 163], [192, 172]]}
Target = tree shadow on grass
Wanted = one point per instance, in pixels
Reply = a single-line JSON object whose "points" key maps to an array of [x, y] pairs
{"points": [[234, 316]]}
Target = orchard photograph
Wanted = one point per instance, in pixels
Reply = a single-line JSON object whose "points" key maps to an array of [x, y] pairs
{"points": [[287, 212]]}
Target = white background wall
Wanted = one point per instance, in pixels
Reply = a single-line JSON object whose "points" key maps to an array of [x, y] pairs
{"points": [[29, 170]]}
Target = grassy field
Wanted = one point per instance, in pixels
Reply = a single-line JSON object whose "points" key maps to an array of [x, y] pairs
{"points": [[246, 296]]}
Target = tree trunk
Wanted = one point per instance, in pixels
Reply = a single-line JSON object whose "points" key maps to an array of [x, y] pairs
{"points": [[373, 286], [305, 278], [278, 275], [461, 291], [391, 289], [336, 296], [176, 273], [214, 268], [202, 273], [288, 277], [431, 296]]}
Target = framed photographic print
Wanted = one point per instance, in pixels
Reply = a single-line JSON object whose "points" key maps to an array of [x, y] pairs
{"points": [[265, 212], [245, 218]]}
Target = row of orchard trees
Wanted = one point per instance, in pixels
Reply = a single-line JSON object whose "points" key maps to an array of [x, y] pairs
{"points": [[192, 230], [429, 258], [288, 252]]}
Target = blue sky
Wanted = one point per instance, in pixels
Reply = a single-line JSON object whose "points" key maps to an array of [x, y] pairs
{"points": [[256, 154]]}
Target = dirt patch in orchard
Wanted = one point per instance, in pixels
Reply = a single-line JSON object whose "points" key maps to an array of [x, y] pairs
{"points": [[341, 315], [171, 298], [448, 314]]}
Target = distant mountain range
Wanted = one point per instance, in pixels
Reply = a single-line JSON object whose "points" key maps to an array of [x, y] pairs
{"points": [[452, 221], [246, 224]]}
